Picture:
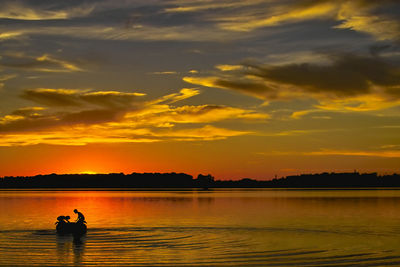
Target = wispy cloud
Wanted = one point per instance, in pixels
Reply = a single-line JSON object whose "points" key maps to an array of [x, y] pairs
{"points": [[164, 72], [190, 33], [280, 15], [21, 10], [379, 154], [363, 16], [112, 116], [383, 153], [172, 98], [78, 135], [208, 21], [42, 63], [6, 77], [195, 5], [207, 133], [10, 35], [166, 115], [225, 67], [250, 86]]}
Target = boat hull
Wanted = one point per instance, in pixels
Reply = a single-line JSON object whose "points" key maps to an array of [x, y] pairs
{"points": [[71, 228]]}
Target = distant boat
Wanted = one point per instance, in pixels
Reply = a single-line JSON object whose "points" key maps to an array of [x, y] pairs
{"points": [[71, 228]]}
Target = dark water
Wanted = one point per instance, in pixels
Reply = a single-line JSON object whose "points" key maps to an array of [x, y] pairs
{"points": [[203, 228]]}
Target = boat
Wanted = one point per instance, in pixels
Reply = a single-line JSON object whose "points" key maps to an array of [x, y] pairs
{"points": [[76, 228]]}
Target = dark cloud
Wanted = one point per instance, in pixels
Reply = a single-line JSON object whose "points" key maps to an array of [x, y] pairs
{"points": [[29, 112], [41, 122], [65, 97], [52, 97], [27, 125], [365, 82], [93, 116], [110, 98], [377, 49], [347, 75], [257, 89], [109, 116]]}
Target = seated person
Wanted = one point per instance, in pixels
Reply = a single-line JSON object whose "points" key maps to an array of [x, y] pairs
{"points": [[63, 219]]}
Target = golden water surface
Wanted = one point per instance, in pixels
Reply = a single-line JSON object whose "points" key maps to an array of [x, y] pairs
{"points": [[253, 227]]}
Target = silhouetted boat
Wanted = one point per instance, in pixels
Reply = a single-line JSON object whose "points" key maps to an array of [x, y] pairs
{"points": [[71, 228]]}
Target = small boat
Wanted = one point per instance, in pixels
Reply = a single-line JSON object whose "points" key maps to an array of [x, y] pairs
{"points": [[76, 228]]}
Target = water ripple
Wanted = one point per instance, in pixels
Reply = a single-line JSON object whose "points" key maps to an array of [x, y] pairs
{"points": [[174, 246]]}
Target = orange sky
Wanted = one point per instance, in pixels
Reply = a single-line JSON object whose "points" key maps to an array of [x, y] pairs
{"points": [[233, 88]]}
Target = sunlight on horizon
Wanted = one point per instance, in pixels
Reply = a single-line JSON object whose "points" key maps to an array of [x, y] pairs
{"points": [[88, 172]]}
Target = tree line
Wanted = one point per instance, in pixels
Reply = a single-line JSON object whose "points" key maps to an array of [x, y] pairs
{"points": [[182, 180]]}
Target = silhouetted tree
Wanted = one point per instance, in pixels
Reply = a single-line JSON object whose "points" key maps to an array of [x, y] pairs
{"points": [[205, 181], [182, 180]]}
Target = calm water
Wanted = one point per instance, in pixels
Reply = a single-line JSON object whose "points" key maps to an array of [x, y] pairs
{"points": [[203, 228]]}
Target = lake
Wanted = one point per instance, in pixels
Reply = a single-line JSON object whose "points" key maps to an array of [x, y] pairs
{"points": [[232, 227]]}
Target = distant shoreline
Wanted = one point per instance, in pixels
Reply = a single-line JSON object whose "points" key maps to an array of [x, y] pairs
{"points": [[159, 181], [196, 189]]}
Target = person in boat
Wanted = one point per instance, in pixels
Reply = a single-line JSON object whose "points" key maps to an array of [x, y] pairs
{"points": [[63, 219], [81, 218]]}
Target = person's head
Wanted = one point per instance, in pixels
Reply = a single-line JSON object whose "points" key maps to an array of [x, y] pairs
{"points": [[75, 210], [67, 217]]}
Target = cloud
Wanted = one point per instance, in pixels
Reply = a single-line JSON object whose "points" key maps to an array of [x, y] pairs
{"points": [[6, 77], [20, 10], [164, 72], [302, 113], [10, 35], [361, 16], [192, 20], [281, 14], [379, 154], [165, 115], [172, 98], [53, 97], [347, 75], [110, 98], [28, 112], [228, 67], [371, 17], [72, 97], [43, 63], [64, 64], [251, 87], [181, 6], [373, 101], [78, 117], [94, 116], [207, 132], [349, 82], [78, 135], [187, 33]]}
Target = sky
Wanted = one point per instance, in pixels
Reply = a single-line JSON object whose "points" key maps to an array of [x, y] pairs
{"points": [[234, 88]]}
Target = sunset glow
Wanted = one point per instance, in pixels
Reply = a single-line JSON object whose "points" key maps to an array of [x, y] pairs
{"points": [[88, 172], [234, 88]]}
